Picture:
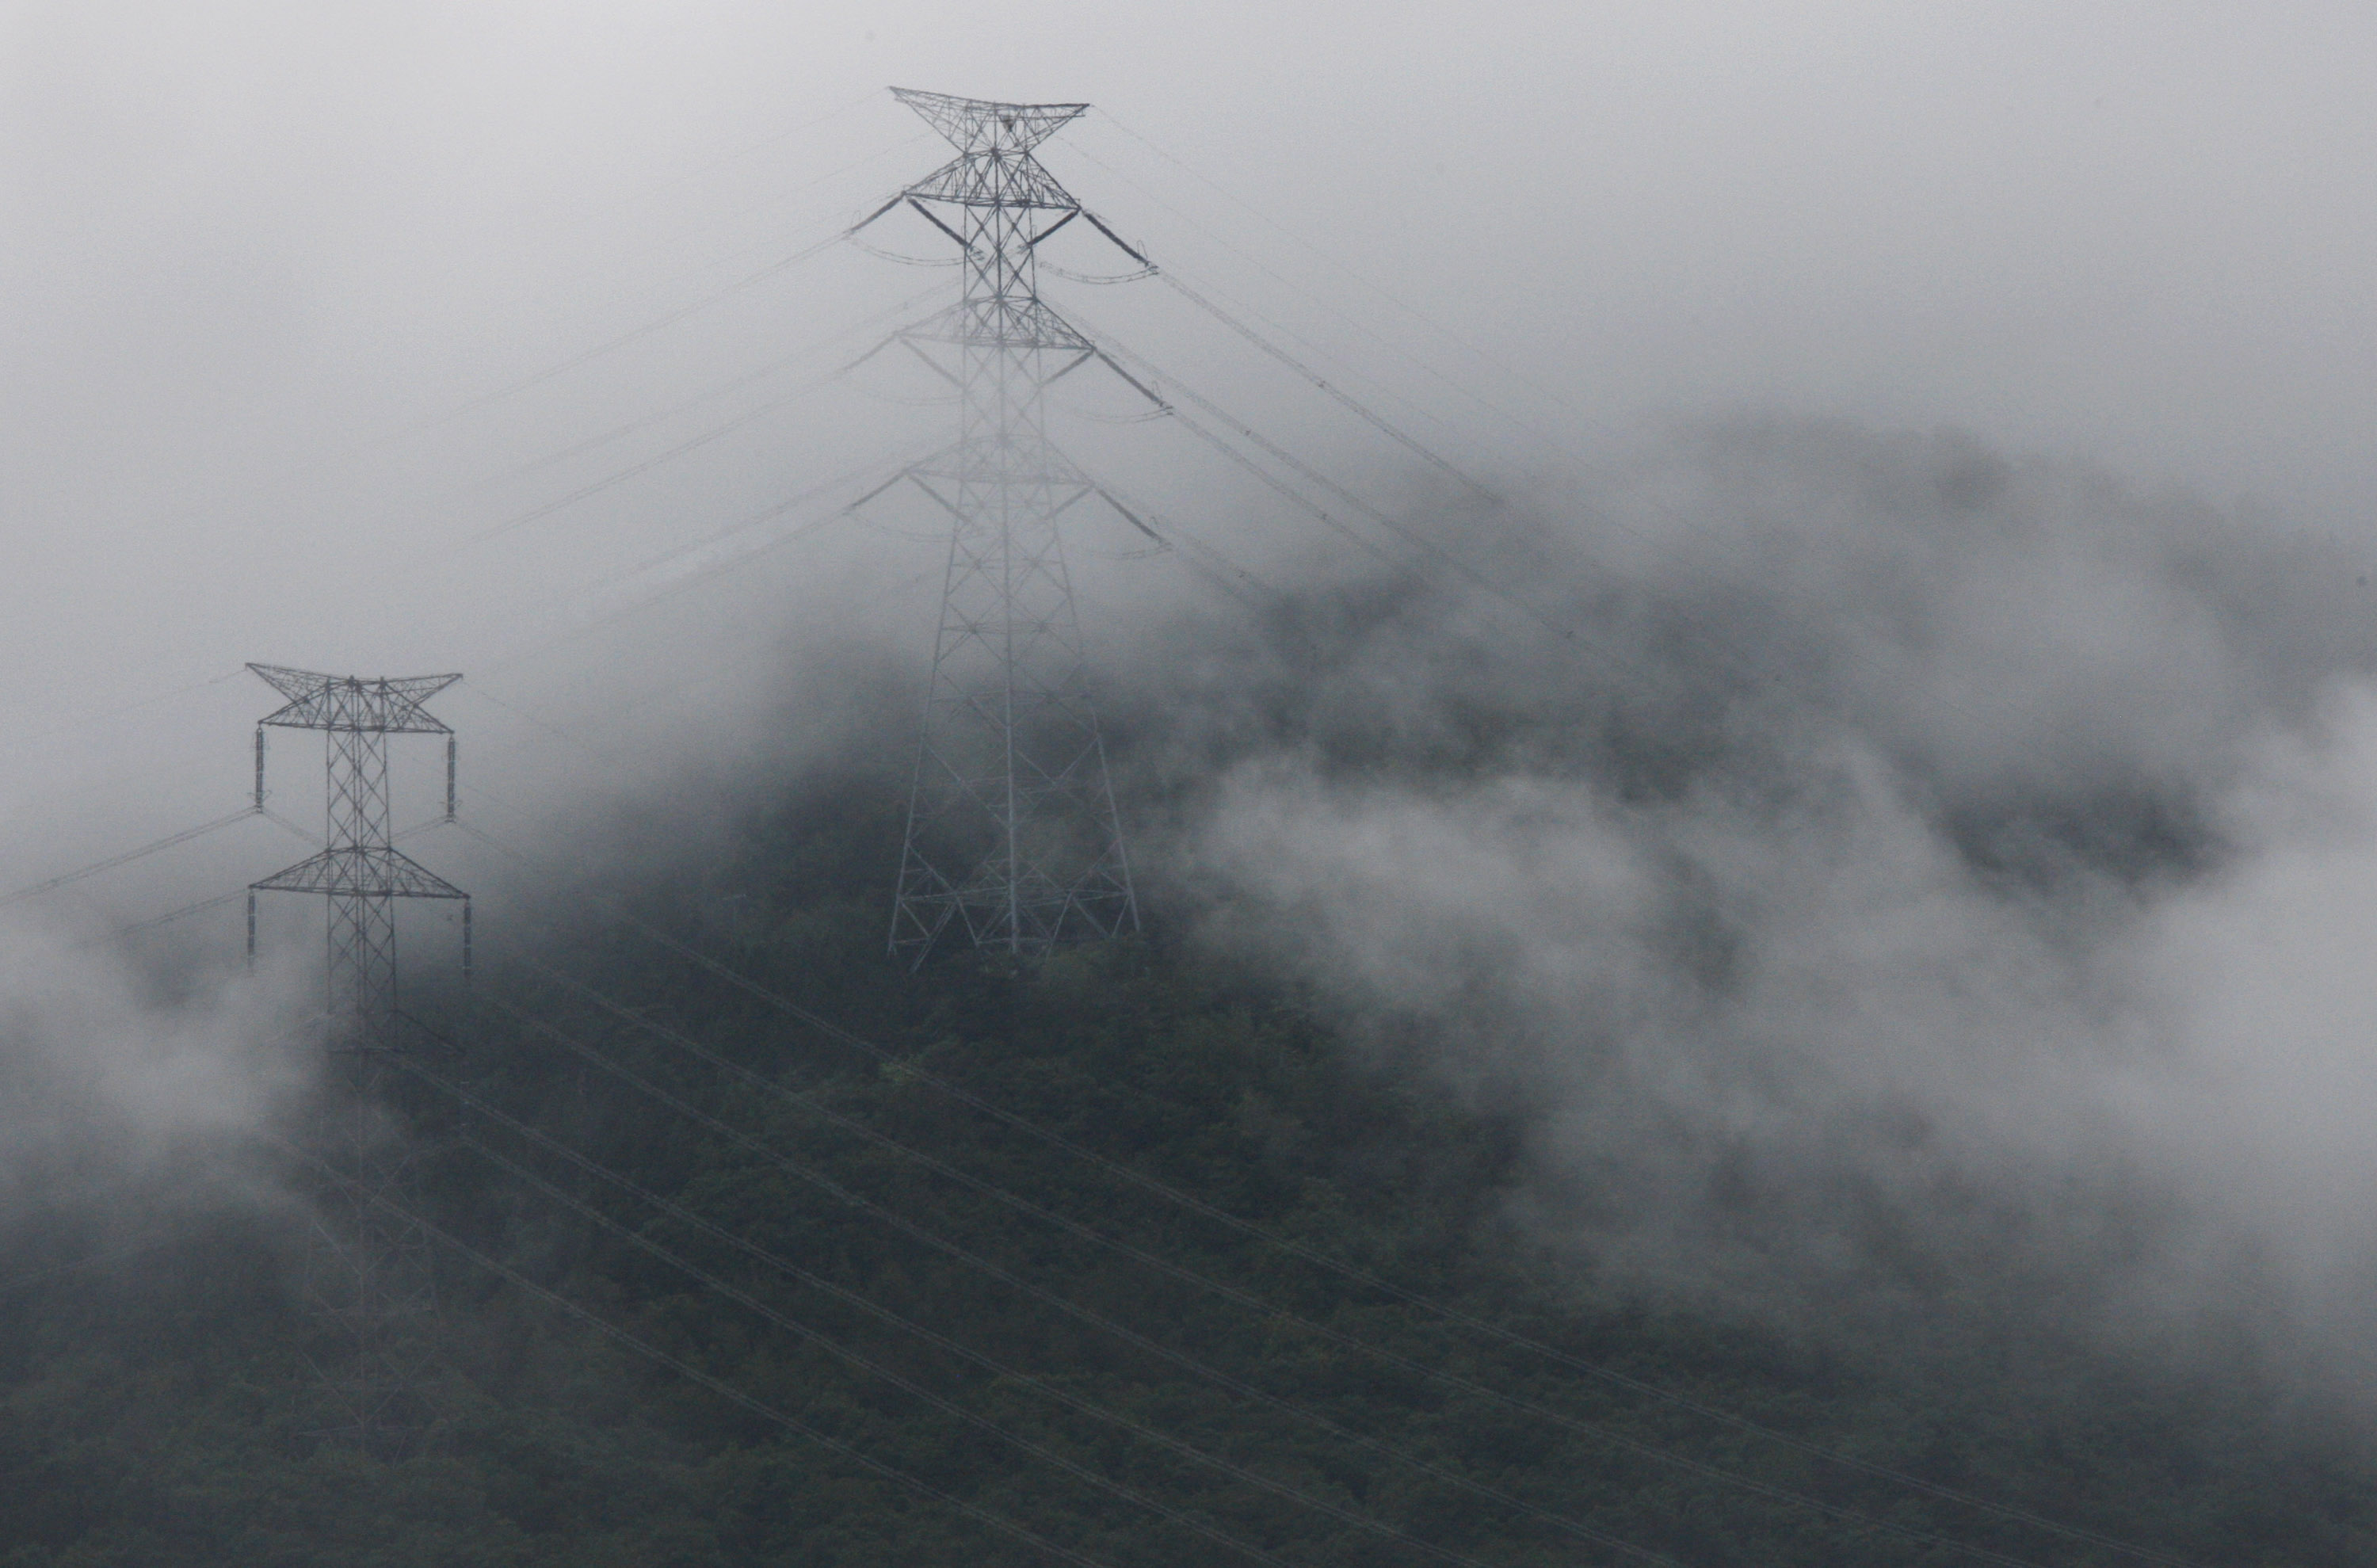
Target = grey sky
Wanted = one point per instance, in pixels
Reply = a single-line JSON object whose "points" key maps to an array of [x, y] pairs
{"points": [[259, 256]]}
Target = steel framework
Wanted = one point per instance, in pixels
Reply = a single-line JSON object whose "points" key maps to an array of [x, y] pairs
{"points": [[368, 1280], [1011, 831]]}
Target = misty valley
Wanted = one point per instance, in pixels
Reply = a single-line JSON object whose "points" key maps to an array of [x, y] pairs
{"points": [[1054, 878]]}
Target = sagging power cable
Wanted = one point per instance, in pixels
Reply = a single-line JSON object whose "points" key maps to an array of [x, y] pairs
{"points": [[964, 1255], [645, 422], [1335, 393], [1417, 541], [686, 1370], [748, 417], [885, 1315], [154, 921], [1752, 664], [1443, 332], [515, 653], [1354, 1273], [1756, 669], [659, 324], [129, 855], [1280, 455], [1236, 1295]]}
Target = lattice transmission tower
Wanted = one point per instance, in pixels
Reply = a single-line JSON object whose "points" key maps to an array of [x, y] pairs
{"points": [[368, 1281], [1012, 832]]}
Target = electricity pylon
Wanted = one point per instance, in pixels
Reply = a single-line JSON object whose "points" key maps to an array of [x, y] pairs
{"points": [[367, 1271], [1011, 829]]}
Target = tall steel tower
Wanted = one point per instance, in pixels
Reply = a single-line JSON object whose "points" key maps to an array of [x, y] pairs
{"points": [[367, 1275], [1012, 828]]}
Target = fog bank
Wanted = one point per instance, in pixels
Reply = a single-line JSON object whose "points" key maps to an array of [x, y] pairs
{"points": [[1875, 869]]}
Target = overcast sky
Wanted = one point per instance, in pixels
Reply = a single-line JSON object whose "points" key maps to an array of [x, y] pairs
{"points": [[258, 262]]}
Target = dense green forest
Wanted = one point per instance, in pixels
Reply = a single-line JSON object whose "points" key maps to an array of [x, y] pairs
{"points": [[1000, 1315]]}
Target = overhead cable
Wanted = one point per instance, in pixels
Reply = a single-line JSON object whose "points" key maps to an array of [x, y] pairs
{"points": [[749, 416], [517, 652], [646, 422], [1328, 1261], [129, 855], [1439, 327], [1740, 655], [1237, 1296], [692, 1374], [137, 926], [747, 149], [833, 1347], [1400, 530], [861, 1130], [1335, 393], [89, 720], [658, 324]]}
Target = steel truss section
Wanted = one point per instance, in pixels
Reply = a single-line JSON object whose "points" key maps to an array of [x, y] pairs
{"points": [[1012, 836], [368, 1283]]}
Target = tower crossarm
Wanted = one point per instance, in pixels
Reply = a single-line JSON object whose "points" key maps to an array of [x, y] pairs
{"points": [[1012, 180], [1022, 323], [386, 705], [981, 124], [365, 871], [970, 457]]}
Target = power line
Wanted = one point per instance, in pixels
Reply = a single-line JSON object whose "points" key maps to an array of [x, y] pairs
{"points": [[692, 1374], [708, 673], [1040, 1212], [129, 855], [646, 422], [1417, 1300], [637, 334], [89, 721], [848, 480], [1750, 662], [812, 1336], [1076, 1229], [278, 820], [683, 313], [1274, 483], [778, 197], [1282, 455], [748, 417], [517, 652], [1653, 1453], [154, 921], [1439, 329], [1335, 393], [1216, 566], [1410, 536], [973, 1260], [884, 1316]]}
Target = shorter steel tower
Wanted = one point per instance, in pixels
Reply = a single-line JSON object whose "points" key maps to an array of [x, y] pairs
{"points": [[367, 1273]]}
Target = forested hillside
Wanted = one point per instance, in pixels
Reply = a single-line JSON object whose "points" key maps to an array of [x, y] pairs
{"points": [[1133, 1251], [1417, 786]]}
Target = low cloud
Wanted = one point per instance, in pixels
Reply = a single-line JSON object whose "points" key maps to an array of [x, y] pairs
{"points": [[1874, 871]]}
